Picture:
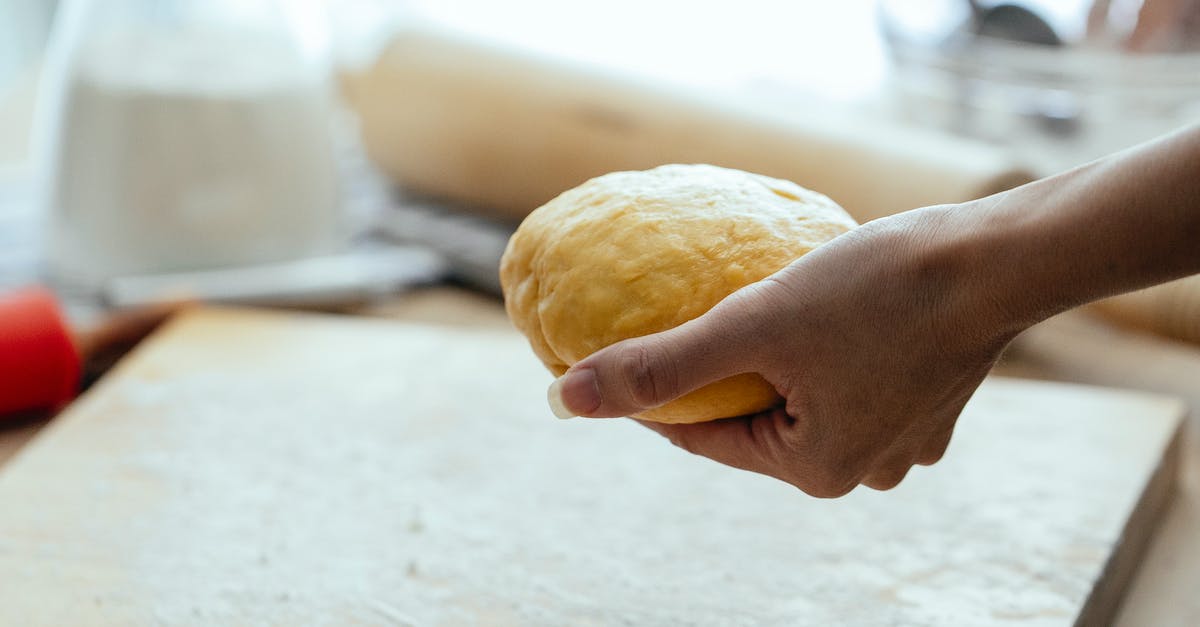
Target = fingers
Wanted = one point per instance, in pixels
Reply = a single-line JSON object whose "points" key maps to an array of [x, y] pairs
{"points": [[903, 455], [891, 471], [766, 444], [935, 447], [642, 373], [751, 443], [776, 445]]}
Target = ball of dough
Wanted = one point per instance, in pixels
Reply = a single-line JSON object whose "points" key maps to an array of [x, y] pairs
{"points": [[633, 253]]}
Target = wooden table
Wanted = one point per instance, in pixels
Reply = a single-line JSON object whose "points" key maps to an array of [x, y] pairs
{"points": [[1073, 347], [1077, 347]]}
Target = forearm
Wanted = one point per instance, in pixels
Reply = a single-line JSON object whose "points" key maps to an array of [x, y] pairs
{"points": [[1115, 225]]}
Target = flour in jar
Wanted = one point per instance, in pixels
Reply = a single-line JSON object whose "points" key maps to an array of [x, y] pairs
{"points": [[188, 150]]}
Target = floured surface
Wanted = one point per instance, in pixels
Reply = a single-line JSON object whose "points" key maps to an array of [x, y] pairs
{"points": [[276, 470]]}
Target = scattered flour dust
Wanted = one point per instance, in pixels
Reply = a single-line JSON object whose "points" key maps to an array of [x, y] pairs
{"points": [[350, 487]]}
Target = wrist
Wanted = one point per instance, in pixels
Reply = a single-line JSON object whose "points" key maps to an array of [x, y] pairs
{"points": [[1022, 257], [999, 242], [960, 269]]}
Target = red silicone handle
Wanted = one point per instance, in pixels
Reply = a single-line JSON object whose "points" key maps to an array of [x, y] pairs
{"points": [[39, 366]]}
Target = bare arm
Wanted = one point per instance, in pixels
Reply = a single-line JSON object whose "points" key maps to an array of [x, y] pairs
{"points": [[1114, 225]]}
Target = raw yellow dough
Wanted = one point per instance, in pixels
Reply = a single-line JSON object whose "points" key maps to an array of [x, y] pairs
{"points": [[633, 253]]}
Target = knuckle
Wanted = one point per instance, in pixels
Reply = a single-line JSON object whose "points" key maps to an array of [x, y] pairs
{"points": [[824, 471], [828, 490], [931, 456], [648, 380], [886, 480], [846, 465], [776, 288], [934, 451], [825, 482]]}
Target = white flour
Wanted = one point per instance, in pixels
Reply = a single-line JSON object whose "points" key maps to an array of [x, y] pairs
{"points": [[179, 151]]}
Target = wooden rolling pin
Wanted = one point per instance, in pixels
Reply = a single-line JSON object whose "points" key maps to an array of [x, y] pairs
{"points": [[504, 130], [1171, 309]]}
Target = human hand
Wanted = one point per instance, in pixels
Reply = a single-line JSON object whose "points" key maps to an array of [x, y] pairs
{"points": [[875, 340]]}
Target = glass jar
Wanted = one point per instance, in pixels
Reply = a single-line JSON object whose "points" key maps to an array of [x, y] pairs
{"points": [[183, 135]]}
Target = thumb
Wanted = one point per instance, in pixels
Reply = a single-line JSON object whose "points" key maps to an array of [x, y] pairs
{"points": [[645, 372]]}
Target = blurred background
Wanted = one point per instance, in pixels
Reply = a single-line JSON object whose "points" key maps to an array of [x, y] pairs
{"points": [[340, 155], [311, 153]]}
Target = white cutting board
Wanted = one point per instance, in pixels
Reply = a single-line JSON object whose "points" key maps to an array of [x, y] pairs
{"points": [[246, 468]]}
